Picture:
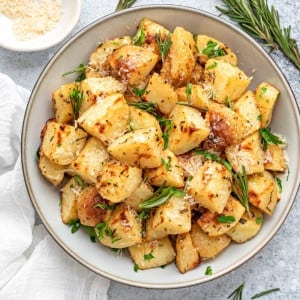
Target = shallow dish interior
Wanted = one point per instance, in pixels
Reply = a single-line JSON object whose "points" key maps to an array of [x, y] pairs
{"points": [[252, 59]]}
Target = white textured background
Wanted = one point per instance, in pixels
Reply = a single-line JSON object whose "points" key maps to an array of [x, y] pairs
{"points": [[278, 264]]}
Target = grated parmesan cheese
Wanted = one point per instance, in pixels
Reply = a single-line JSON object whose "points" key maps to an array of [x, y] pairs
{"points": [[31, 18]]}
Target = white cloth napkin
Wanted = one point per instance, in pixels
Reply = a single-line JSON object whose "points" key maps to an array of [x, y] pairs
{"points": [[32, 265]]}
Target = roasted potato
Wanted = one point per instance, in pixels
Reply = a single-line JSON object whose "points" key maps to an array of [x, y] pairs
{"points": [[266, 97], [142, 147], [187, 257], [248, 226], [132, 63], [61, 143], [275, 158], [211, 186], [107, 119], [188, 131], [208, 246], [89, 162], [214, 224], [122, 230], [117, 181], [225, 80], [152, 254]]}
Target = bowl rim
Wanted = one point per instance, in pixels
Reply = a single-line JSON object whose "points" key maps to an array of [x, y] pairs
{"points": [[61, 243], [52, 41]]}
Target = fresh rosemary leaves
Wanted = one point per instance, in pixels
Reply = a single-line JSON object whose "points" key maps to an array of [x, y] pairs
{"points": [[163, 45], [76, 97], [123, 4], [80, 70], [161, 196], [262, 22]]}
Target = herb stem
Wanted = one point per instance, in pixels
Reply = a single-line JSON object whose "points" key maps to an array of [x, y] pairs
{"points": [[263, 23], [123, 4]]}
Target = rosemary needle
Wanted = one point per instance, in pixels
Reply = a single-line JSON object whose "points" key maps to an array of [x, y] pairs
{"points": [[123, 4], [262, 22]]}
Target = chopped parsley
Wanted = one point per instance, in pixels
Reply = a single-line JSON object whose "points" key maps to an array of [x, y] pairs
{"points": [[167, 126], [259, 220], [75, 224], [225, 219], [148, 256], [105, 206], [188, 91], [263, 90], [136, 267], [269, 138], [208, 270], [213, 50], [138, 92]]}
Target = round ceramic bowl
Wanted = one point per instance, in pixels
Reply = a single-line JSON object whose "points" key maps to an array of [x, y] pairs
{"points": [[252, 59], [70, 15]]}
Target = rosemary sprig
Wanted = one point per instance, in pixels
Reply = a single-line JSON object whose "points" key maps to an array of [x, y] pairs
{"points": [[161, 196], [265, 293], [163, 45], [123, 4], [149, 107], [237, 294], [167, 126], [76, 97], [262, 22], [80, 70], [269, 138]]}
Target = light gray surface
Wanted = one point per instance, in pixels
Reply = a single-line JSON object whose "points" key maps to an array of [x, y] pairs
{"points": [[278, 264]]}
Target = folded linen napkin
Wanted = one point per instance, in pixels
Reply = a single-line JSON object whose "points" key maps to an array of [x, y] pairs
{"points": [[32, 265]]}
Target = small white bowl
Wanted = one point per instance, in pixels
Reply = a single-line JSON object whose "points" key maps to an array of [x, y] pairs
{"points": [[70, 15]]}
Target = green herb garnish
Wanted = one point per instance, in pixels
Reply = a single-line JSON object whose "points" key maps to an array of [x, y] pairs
{"points": [[135, 267], [166, 164], [259, 220], [105, 206], [123, 4], [269, 138], [139, 92], [188, 91], [161, 196], [259, 117], [148, 256], [91, 232], [263, 90], [229, 103], [213, 50], [75, 224], [237, 294], [78, 180], [163, 46], [212, 66], [149, 107], [279, 184], [139, 38], [208, 270], [76, 97], [225, 219], [103, 229], [262, 22], [265, 293], [167, 126], [80, 70]]}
